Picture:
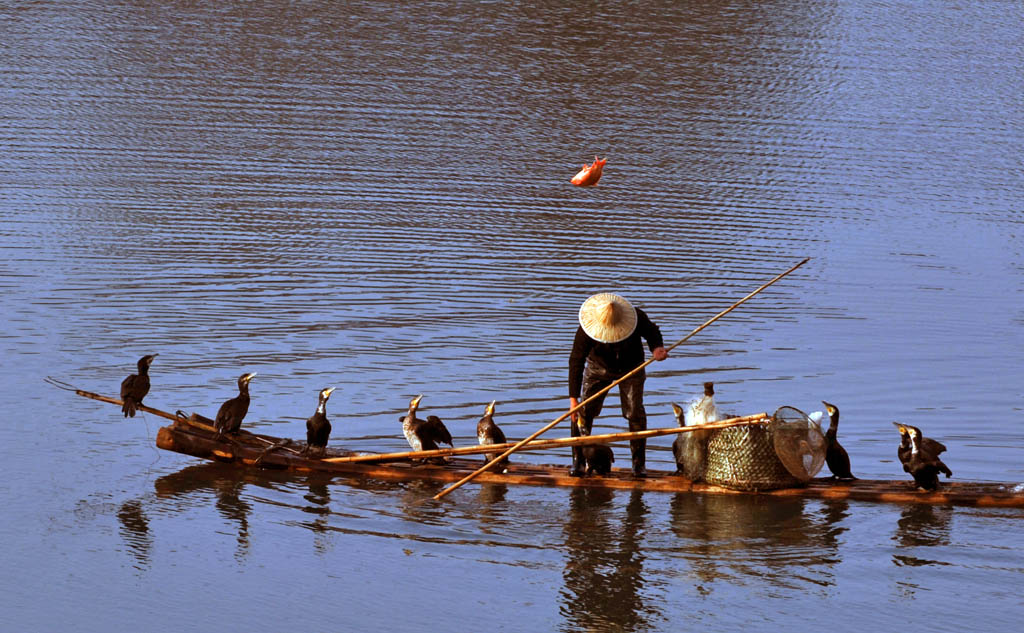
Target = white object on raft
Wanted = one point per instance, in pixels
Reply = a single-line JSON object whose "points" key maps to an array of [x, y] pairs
{"points": [[702, 410]]}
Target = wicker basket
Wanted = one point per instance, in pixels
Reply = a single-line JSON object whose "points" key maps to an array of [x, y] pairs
{"points": [[744, 458]]}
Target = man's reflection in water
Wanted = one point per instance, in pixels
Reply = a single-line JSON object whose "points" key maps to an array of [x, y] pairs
{"points": [[135, 531], [726, 537], [921, 525], [604, 571]]}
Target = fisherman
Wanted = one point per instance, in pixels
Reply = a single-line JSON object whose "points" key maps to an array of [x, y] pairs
{"points": [[607, 347]]}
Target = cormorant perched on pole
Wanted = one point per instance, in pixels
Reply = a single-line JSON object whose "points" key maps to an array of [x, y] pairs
{"points": [[231, 413], [135, 387], [835, 455], [424, 435], [318, 427], [487, 432]]}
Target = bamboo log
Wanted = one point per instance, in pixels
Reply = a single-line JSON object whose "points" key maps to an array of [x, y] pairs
{"points": [[536, 445], [579, 406]]}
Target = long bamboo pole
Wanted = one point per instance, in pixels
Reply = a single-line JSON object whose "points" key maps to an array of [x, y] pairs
{"points": [[195, 419], [537, 445], [96, 396], [579, 406]]}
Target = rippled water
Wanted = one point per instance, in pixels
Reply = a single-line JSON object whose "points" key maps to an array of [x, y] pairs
{"points": [[375, 197]]}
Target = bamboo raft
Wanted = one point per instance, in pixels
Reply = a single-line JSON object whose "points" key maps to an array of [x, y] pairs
{"points": [[195, 435], [263, 451]]}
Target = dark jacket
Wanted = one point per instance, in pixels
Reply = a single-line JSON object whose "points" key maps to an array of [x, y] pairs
{"points": [[613, 359]]}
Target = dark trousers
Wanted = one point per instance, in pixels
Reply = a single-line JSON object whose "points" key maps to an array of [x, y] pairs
{"points": [[631, 398]]}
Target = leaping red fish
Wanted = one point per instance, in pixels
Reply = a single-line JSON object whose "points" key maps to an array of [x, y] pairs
{"points": [[590, 174]]}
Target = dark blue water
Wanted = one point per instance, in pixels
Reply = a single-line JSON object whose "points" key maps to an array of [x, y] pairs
{"points": [[375, 197]]}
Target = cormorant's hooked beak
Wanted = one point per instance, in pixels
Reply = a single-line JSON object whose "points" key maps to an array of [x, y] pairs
{"points": [[829, 408], [903, 429], [248, 377], [326, 393], [415, 403], [149, 359], [490, 408], [680, 416]]}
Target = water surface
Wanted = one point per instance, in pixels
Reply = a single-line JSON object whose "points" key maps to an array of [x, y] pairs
{"points": [[376, 197]]}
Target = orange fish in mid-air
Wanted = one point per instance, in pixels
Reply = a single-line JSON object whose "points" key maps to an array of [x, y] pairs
{"points": [[590, 174]]}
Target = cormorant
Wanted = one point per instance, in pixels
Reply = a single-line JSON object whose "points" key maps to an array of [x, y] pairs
{"points": [[933, 447], [597, 457], [318, 427], [835, 455], [920, 457], [689, 449], [487, 432], [679, 445], [423, 435], [135, 387], [231, 413]]}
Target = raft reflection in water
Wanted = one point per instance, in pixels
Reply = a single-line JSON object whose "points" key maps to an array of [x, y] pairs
{"points": [[617, 552], [732, 537]]}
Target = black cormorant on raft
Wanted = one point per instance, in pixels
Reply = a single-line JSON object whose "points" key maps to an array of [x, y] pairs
{"points": [[135, 387], [487, 433], [424, 435], [836, 457], [231, 413], [920, 457], [318, 427], [597, 458]]}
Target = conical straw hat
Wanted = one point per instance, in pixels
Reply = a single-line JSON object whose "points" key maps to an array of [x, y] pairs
{"points": [[607, 318]]}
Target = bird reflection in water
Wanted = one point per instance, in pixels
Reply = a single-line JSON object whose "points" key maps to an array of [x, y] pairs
{"points": [[234, 508], [604, 572], [319, 501], [135, 531], [921, 525], [492, 506], [742, 538], [413, 506], [834, 513], [225, 482]]}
